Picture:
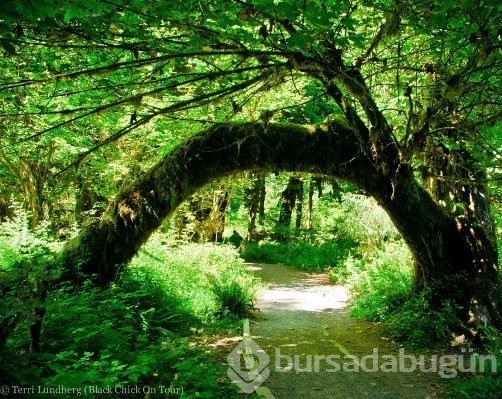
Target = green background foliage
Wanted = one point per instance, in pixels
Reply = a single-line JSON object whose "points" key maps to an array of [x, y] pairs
{"points": [[95, 92]]}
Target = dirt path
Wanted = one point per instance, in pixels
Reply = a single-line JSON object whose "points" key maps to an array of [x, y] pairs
{"points": [[301, 315]]}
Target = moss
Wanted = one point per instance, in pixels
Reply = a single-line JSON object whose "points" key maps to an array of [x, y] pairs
{"points": [[336, 121], [220, 150]]}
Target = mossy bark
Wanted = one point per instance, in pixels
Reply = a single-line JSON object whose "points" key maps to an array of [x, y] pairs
{"points": [[291, 198], [453, 255], [105, 245]]}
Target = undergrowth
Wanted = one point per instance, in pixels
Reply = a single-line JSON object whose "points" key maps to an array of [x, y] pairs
{"points": [[201, 280], [149, 329], [300, 253], [381, 284], [482, 385]]}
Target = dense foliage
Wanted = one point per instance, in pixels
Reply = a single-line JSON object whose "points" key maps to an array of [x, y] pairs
{"points": [[137, 78], [148, 329], [95, 92]]}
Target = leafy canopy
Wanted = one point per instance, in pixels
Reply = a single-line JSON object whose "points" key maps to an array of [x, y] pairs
{"points": [[79, 75]]}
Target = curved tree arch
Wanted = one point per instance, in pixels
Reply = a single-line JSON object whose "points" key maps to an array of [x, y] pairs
{"points": [[458, 259]]}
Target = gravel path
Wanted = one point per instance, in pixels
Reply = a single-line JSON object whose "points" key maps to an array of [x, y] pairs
{"points": [[302, 315]]}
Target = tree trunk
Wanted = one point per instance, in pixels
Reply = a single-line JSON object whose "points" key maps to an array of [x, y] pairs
{"points": [[453, 256], [286, 206], [299, 204], [261, 201], [336, 191], [253, 202], [318, 182], [458, 185], [310, 203], [207, 219], [85, 199], [220, 204]]}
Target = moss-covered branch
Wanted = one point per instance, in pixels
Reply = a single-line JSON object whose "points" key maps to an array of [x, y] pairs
{"points": [[104, 245], [444, 254]]}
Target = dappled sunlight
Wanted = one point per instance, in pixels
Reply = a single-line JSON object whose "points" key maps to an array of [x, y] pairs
{"points": [[304, 326], [310, 292]]}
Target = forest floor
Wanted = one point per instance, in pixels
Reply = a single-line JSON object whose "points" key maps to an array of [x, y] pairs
{"points": [[302, 315]]}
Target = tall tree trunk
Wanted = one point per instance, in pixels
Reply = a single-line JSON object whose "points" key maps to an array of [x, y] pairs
{"points": [[458, 185], [220, 204], [318, 183], [207, 218], [287, 204], [253, 199], [310, 204], [299, 204], [453, 256], [336, 191], [85, 198], [261, 201]]}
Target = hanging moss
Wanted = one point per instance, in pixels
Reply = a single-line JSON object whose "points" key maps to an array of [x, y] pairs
{"points": [[103, 246], [440, 250]]}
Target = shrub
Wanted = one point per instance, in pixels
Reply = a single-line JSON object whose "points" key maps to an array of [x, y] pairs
{"points": [[138, 330], [379, 282], [300, 253], [200, 280], [417, 324], [381, 289], [232, 296]]}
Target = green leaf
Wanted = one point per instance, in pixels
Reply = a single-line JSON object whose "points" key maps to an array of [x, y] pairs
{"points": [[318, 20], [299, 41], [73, 12]]}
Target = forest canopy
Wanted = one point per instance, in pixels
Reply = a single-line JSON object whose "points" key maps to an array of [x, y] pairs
{"points": [[115, 113], [98, 92]]}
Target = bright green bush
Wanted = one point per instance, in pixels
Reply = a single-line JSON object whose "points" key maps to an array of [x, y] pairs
{"points": [[200, 280], [107, 338], [232, 295], [142, 328], [26, 255], [381, 289], [379, 282]]}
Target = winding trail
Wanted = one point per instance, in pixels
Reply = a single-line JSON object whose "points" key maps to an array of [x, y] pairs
{"points": [[302, 314]]}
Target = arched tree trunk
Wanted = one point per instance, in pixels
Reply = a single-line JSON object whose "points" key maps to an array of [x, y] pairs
{"points": [[456, 259]]}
